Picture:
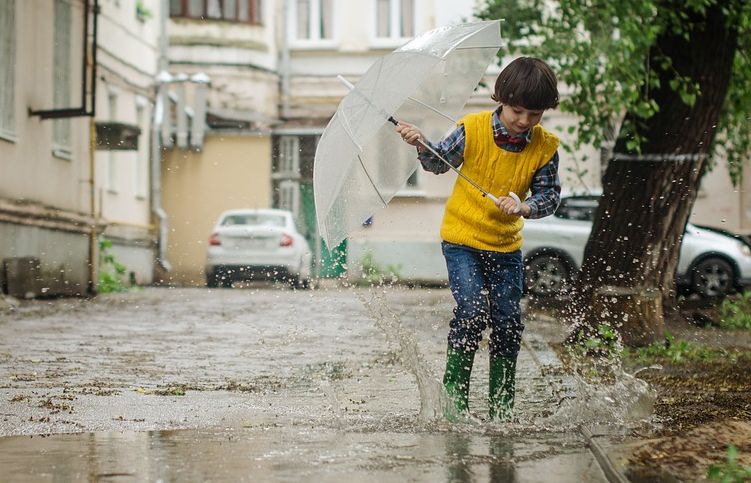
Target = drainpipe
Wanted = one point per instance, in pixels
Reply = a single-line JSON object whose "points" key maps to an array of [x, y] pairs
{"points": [[284, 60], [160, 112], [93, 241], [156, 171]]}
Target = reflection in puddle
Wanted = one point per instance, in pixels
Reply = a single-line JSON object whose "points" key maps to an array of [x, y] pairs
{"points": [[293, 453]]}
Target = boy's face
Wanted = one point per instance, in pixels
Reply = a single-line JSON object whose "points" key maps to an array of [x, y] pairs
{"points": [[518, 119]]}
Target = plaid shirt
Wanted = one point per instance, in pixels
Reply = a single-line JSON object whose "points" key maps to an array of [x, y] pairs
{"points": [[545, 187]]}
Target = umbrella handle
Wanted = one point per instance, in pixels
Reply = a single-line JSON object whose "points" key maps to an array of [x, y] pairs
{"points": [[511, 195], [518, 202]]}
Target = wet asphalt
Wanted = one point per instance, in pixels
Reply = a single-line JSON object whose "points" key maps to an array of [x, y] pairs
{"points": [[266, 383]]}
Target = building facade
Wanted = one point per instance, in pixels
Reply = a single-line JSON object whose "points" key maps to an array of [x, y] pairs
{"points": [[224, 160], [61, 191], [127, 62]]}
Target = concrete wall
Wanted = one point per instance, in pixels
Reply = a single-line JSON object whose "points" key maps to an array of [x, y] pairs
{"points": [[62, 255], [232, 171], [722, 205], [44, 202]]}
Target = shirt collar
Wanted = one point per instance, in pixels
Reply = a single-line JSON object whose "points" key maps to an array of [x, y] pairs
{"points": [[498, 126]]}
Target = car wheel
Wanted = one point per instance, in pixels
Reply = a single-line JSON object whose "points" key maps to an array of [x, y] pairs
{"points": [[226, 279], [298, 283], [211, 280], [546, 275], [303, 284], [712, 277]]}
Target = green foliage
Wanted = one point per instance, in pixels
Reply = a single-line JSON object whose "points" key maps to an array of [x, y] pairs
{"points": [[736, 312], [677, 351], [595, 354], [604, 343], [605, 52], [730, 471], [143, 13], [373, 273], [518, 16], [111, 272]]}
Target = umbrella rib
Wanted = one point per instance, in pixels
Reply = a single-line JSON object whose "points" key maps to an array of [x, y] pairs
{"points": [[428, 106], [371, 181], [479, 47], [346, 127]]}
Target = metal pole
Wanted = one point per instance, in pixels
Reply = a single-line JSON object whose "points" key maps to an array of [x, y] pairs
{"points": [[93, 245]]}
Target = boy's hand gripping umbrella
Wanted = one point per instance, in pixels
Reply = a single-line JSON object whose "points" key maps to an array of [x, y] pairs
{"points": [[360, 163]]}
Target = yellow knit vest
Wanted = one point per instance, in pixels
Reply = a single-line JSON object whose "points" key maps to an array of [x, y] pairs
{"points": [[474, 221]]}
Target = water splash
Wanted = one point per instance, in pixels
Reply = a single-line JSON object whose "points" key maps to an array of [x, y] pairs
{"points": [[433, 398], [603, 394]]}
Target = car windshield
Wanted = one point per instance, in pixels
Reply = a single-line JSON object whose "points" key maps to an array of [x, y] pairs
{"points": [[256, 219]]}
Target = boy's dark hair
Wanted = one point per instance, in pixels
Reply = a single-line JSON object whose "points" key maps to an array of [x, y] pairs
{"points": [[527, 82]]}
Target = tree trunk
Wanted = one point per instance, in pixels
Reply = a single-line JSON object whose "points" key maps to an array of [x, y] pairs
{"points": [[647, 199]]}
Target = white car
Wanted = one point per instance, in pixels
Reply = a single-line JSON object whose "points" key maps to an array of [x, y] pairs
{"points": [[259, 244], [711, 262]]}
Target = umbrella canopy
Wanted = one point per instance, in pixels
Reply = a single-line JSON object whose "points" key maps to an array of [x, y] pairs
{"points": [[360, 162]]}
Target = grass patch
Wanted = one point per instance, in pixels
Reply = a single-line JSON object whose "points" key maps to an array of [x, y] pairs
{"points": [[730, 471], [678, 351], [735, 313]]}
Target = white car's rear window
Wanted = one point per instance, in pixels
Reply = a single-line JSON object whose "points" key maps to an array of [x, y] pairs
{"points": [[254, 219]]}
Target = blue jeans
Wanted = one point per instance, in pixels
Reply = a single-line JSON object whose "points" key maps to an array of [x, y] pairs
{"points": [[487, 287]]}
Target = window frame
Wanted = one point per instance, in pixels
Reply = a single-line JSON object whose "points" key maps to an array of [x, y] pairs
{"points": [[62, 81], [255, 12], [113, 99], [395, 37], [140, 172], [314, 26]]}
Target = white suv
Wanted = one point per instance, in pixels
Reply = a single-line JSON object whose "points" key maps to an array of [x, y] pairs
{"points": [[711, 262]]}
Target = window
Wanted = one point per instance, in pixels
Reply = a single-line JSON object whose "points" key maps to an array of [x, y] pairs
{"points": [[61, 81], [395, 19], [289, 156], [111, 159], [313, 19], [257, 219], [289, 196], [141, 154], [248, 11], [8, 68], [578, 208]]}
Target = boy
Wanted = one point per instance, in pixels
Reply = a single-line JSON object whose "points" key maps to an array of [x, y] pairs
{"points": [[504, 151]]}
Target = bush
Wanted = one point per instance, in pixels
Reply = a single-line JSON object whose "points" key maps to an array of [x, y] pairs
{"points": [[374, 274], [735, 313], [111, 272]]}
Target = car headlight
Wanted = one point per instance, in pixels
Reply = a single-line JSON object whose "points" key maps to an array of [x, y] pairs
{"points": [[745, 249]]}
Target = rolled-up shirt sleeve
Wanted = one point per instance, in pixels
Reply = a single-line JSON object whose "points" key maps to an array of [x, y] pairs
{"points": [[451, 148], [545, 190]]}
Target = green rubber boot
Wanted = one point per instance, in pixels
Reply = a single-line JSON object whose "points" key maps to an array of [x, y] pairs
{"points": [[456, 382], [501, 388]]}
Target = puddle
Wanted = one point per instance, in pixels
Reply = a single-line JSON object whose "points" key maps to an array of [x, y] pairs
{"points": [[293, 454]]}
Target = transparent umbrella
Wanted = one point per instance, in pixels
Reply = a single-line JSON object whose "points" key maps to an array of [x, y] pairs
{"points": [[360, 161]]}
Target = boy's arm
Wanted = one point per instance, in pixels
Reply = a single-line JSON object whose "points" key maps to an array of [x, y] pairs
{"points": [[545, 189], [451, 148]]}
